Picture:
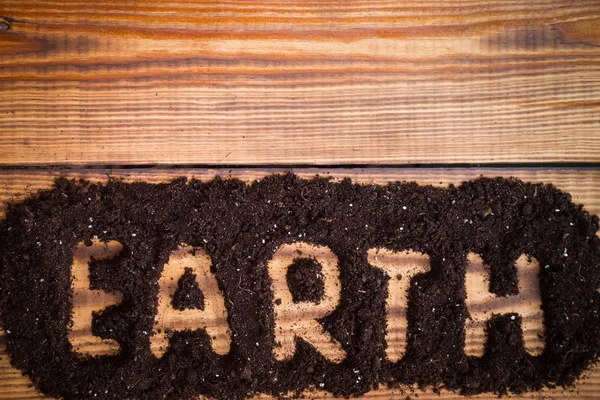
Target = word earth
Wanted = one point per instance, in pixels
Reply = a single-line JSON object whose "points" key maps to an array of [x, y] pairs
{"points": [[300, 319]]}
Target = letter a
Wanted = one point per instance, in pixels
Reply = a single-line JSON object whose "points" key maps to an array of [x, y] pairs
{"points": [[214, 316]]}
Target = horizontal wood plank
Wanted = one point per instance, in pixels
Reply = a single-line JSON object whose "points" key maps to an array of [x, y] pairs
{"points": [[582, 184], [302, 82]]}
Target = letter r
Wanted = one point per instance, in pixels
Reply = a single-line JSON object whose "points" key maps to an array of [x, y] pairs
{"points": [[300, 319]]}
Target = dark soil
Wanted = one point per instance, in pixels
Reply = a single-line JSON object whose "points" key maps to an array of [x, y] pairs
{"points": [[497, 218], [188, 295], [305, 280]]}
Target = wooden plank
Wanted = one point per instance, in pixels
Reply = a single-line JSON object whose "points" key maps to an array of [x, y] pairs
{"points": [[582, 184], [303, 82]]}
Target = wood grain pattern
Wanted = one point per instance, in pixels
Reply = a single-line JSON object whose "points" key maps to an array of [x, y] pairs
{"points": [[310, 82], [582, 184]]}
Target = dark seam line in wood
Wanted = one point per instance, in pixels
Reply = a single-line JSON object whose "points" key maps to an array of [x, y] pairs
{"points": [[511, 165]]}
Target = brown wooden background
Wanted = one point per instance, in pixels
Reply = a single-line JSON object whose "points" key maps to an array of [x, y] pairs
{"points": [[413, 90]]}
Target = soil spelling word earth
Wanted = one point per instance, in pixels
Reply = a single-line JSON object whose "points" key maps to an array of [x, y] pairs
{"points": [[236, 235]]}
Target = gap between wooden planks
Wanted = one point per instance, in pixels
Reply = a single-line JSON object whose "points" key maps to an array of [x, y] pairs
{"points": [[582, 184], [326, 82]]}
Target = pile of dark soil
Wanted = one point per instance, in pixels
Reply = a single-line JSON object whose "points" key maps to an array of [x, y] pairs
{"points": [[305, 280], [240, 227], [188, 295]]}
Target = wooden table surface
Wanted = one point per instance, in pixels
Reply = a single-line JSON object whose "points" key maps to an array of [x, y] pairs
{"points": [[372, 89]]}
